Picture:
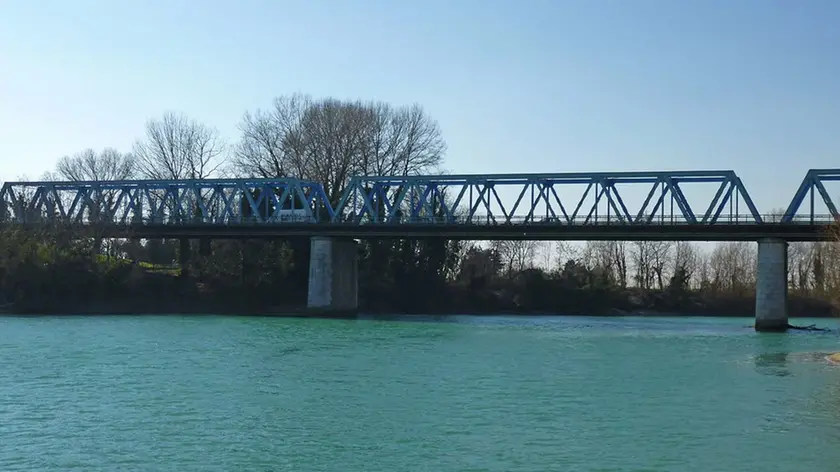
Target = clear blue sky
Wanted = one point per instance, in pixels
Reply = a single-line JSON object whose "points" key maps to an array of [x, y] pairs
{"points": [[518, 86]]}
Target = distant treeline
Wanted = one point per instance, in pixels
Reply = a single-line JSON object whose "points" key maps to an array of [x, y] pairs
{"points": [[57, 271]]}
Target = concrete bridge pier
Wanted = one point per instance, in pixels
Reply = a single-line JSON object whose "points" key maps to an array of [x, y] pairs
{"points": [[771, 286], [333, 276]]}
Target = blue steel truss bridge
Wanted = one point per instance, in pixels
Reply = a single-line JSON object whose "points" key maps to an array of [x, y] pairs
{"points": [[564, 206]]}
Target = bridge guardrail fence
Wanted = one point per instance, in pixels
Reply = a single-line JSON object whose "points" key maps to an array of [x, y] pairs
{"points": [[354, 220]]}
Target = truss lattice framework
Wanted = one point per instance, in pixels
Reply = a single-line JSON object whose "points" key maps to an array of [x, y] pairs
{"points": [[812, 184], [473, 199], [214, 201]]}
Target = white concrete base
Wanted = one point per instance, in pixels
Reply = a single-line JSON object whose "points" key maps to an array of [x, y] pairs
{"points": [[333, 274], [771, 286]]}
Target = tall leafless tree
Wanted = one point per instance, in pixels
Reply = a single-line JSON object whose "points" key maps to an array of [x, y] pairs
{"points": [[800, 266], [330, 140], [547, 251], [618, 250], [178, 147], [271, 144], [399, 141], [643, 263], [686, 261], [108, 164], [608, 257], [90, 165], [732, 267], [650, 259], [515, 256], [566, 252]]}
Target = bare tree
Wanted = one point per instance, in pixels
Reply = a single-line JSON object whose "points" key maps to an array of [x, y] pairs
{"points": [[650, 259], [800, 266], [332, 138], [823, 266], [546, 251], [108, 164], [643, 262], [661, 257], [329, 140], [177, 147], [732, 267], [609, 258], [515, 256], [271, 144], [566, 252], [686, 261], [618, 252], [595, 255], [402, 141], [704, 271]]}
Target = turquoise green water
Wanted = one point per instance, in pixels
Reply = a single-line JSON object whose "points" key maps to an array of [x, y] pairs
{"points": [[467, 394]]}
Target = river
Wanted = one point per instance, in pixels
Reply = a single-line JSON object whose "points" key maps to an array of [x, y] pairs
{"points": [[212, 393]]}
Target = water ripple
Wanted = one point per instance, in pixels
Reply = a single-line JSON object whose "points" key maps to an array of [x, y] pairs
{"points": [[468, 394]]}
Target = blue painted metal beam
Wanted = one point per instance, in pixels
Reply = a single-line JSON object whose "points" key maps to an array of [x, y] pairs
{"points": [[474, 199], [812, 185], [562, 175], [414, 200], [216, 201]]}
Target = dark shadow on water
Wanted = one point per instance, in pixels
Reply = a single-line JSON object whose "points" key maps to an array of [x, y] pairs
{"points": [[288, 350], [773, 357], [774, 363]]}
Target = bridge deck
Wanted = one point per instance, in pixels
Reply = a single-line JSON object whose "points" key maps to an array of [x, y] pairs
{"points": [[536, 231]]}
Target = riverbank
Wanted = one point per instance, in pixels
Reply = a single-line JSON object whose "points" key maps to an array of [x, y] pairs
{"points": [[50, 274], [493, 304], [56, 272]]}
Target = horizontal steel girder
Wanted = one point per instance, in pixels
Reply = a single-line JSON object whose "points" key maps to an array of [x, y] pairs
{"points": [[684, 232]]}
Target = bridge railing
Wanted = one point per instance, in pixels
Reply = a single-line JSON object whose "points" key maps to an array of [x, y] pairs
{"points": [[599, 221]]}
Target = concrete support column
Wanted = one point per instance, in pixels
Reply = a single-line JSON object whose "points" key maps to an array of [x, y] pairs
{"points": [[333, 275], [771, 286]]}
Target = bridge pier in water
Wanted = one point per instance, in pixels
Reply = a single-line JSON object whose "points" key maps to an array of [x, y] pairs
{"points": [[333, 275], [771, 286]]}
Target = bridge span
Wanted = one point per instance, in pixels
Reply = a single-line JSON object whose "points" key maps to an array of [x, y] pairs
{"points": [[562, 206]]}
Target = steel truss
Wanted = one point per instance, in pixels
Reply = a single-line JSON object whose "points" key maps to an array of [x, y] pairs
{"points": [[213, 201], [474, 199], [813, 183], [442, 199]]}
